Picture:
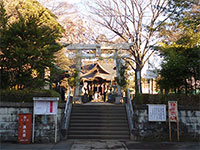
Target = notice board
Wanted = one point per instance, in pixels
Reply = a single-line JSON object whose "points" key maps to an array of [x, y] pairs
{"points": [[45, 107], [156, 112]]}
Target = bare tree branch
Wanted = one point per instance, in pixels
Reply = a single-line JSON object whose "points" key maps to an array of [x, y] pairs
{"points": [[135, 21]]}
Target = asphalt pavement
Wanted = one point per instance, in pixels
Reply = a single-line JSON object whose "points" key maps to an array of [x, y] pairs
{"points": [[102, 145]]}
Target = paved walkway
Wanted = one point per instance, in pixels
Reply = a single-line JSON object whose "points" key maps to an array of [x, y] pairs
{"points": [[98, 144], [102, 145]]}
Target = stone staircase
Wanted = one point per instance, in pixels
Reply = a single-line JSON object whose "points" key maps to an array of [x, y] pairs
{"points": [[98, 122]]}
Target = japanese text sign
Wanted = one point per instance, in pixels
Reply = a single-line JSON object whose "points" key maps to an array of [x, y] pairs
{"points": [[156, 112], [45, 106], [172, 111]]}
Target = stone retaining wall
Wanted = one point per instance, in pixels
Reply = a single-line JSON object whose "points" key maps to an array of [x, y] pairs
{"points": [[44, 127], [145, 130], [189, 125]]}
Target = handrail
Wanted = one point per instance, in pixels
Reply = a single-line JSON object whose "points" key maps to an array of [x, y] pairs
{"points": [[130, 103], [130, 113], [67, 102], [67, 109]]}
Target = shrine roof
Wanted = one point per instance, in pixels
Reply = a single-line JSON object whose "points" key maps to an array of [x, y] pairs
{"points": [[102, 70]]}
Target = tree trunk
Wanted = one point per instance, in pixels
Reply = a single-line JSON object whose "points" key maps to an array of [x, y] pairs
{"points": [[138, 85]]}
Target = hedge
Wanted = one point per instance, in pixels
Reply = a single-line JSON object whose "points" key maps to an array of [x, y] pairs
{"points": [[26, 95], [193, 100]]}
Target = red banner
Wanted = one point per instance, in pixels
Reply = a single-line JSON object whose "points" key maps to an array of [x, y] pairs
{"points": [[172, 110], [51, 106]]}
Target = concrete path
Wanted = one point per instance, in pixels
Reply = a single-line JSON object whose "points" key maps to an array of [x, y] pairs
{"points": [[97, 145], [102, 145]]}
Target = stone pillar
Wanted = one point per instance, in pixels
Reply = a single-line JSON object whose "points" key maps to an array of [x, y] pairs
{"points": [[78, 69], [118, 76], [98, 50]]}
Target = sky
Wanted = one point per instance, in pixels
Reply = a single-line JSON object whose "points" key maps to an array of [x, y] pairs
{"points": [[80, 6], [74, 1]]}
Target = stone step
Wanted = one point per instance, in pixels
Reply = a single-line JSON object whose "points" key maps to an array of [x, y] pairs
{"points": [[98, 114], [92, 128], [98, 132], [98, 125], [120, 137], [99, 108], [97, 121], [77, 117]]}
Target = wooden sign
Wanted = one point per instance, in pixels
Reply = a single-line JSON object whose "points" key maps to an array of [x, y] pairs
{"points": [[173, 117], [172, 111]]}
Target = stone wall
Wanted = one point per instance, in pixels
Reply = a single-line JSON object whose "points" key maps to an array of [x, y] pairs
{"points": [[189, 125], [145, 130], [44, 126]]}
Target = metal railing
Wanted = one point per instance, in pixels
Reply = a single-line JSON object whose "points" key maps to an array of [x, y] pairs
{"points": [[67, 112], [130, 113]]}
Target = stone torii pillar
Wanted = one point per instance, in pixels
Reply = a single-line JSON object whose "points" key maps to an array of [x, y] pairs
{"points": [[78, 69], [116, 59], [117, 71]]}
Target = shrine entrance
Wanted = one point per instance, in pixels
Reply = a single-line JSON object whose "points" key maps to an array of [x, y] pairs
{"points": [[99, 80], [98, 120]]}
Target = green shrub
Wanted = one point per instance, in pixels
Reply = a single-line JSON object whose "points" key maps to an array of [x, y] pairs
{"points": [[26, 95], [193, 100]]}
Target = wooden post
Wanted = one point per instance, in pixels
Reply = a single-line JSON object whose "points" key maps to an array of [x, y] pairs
{"points": [[177, 125], [152, 86], [173, 117], [170, 132], [178, 138]]}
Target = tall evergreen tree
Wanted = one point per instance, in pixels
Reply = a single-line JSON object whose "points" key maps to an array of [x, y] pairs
{"points": [[29, 38]]}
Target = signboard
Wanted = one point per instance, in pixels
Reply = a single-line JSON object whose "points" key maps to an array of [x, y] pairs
{"points": [[151, 74], [172, 111], [156, 112], [45, 107], [24, 128], [173, 117]]}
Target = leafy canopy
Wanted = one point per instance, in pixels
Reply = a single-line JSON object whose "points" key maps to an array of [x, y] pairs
{"points": [[29, 37], [180, 49]]}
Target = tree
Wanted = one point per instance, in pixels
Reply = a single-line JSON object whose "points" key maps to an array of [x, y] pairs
{"points": [[29, 38], [134, 21], [181, 65], [180, 70]]}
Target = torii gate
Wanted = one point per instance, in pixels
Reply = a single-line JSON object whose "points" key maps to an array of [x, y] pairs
{"points": [[97, 47]]}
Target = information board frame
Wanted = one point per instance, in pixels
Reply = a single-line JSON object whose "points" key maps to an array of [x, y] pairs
{"points": [[45, 106], [156, 112]]}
